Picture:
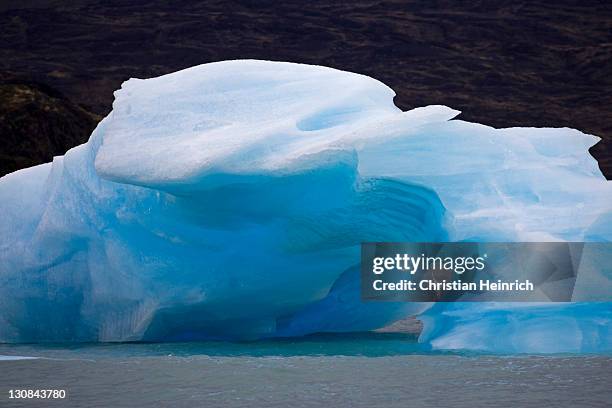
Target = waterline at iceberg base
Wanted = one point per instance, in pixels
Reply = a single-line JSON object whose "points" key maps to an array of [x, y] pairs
{"points": [[228, 201]]}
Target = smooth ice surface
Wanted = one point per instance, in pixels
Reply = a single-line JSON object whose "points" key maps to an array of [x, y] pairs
{"points": [[228, 201]]}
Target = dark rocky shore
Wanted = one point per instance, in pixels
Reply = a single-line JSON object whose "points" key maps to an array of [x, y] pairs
{"points": [[502, 63]]}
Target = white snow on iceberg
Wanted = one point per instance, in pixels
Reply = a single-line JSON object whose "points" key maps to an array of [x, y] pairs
{"points": [[229, 200]]}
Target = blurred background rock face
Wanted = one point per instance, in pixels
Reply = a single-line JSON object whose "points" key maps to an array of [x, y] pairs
{"points": [[504, 63]]}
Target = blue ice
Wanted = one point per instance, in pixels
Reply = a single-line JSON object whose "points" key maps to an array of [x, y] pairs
{"points": [[229, 201]]}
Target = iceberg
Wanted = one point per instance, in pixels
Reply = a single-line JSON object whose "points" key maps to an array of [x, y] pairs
{"points": [[542, 328], [229, 201]]}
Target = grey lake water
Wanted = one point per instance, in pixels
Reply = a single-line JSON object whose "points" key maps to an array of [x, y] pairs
{"points": [[375, 369]]}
